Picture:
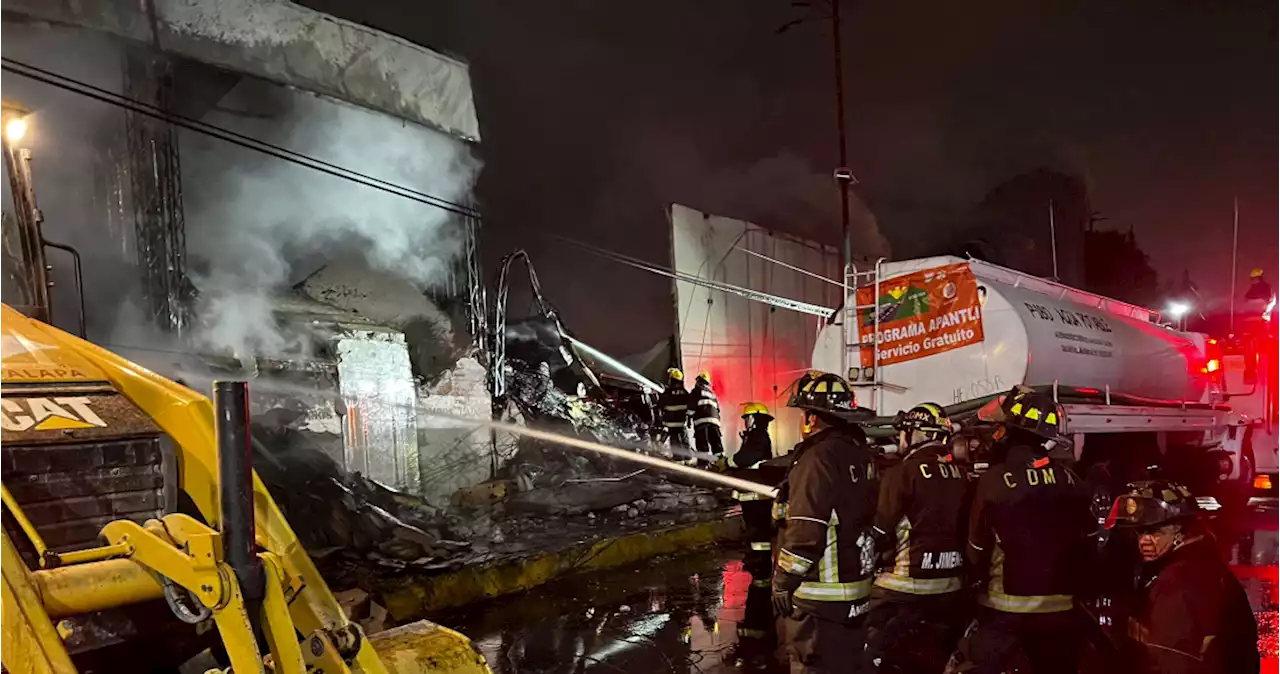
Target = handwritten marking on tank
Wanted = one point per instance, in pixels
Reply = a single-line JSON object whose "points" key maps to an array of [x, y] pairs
{"points": [[979, 388], [45, 414]]}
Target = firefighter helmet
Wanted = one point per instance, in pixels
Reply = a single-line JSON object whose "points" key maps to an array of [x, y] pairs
{"points": [[927, 417], [705, 376], [1152, 503], [758, 409], [1256, 273], [675, 373], [822, 392], [1033, 412]]}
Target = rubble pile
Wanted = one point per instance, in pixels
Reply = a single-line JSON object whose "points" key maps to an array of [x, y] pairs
{"points": [[545, 498]]}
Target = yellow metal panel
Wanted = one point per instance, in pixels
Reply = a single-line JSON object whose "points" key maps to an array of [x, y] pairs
{"points": [[84, 588], [33, 353], [29, 644]]}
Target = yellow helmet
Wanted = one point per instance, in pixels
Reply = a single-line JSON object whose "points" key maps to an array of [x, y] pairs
{"points": [[675, 373], [705, 376], [1256, 273], [756, 408]]}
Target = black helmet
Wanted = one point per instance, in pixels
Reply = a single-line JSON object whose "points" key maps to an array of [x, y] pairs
{"points": [[1152, 503], [822, 392], [1033, 412], [928, 417]]}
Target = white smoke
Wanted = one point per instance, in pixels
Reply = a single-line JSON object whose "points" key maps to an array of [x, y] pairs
{"points": [[257, 224]]}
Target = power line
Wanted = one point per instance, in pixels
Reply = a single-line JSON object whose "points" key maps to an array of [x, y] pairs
{"points": [[111, 98]]}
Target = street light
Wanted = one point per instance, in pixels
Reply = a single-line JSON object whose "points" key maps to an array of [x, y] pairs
{"points": [[26, 215], [15, 129], [14, 117], [1178, 311]]}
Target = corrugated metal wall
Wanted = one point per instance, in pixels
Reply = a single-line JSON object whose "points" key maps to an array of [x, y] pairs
{"points": [[752, 350]]}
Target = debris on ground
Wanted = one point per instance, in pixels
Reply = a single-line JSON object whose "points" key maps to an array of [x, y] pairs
{"points": [[547, 498], [540, 497]]}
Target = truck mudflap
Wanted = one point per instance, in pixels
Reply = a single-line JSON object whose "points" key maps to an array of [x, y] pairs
{"points": [[424, 647]]}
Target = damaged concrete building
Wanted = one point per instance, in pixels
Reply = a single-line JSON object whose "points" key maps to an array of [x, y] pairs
{"points": [[260, 191], [311, 284]]}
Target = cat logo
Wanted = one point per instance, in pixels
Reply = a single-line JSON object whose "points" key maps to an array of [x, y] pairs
{"points": [[48, 414]]}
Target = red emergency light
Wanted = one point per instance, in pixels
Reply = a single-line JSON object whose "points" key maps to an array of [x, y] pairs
{"points": [[1213, 356]]}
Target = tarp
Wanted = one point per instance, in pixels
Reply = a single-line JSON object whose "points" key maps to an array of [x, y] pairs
{"points": [[753, 351]]}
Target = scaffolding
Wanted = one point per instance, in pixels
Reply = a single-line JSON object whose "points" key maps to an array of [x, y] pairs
{"points": [[155, 183]]}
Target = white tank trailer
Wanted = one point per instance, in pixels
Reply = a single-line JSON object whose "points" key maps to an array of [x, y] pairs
{"points": [[1033, 332], [957, 332]]}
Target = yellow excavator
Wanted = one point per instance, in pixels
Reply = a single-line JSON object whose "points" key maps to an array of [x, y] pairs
{"points": [[134, 525]]}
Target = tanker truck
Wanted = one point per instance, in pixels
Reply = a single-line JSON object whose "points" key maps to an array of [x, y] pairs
{"points": [[1137, 393]]}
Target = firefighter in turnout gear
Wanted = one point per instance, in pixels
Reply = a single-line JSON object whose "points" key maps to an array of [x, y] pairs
{"points": [[919, 525], [825, 556], [1259, 289], [754, 461], [673, 409], [704, 407], [1030, 529], [1192, 616]]}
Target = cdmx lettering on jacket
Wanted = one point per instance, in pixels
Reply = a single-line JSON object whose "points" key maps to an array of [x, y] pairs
{"points": [[1036, 477], [868, 471], [945, 471]]}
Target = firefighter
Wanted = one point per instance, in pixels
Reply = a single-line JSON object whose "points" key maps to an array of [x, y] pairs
{"points": [[1192, 616], [704, 407], [825, 556], [1029, 532], [919, 526], [1259, 289], [754, 461], [673, 409]]}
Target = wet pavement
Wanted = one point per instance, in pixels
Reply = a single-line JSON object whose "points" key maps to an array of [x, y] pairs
{"points": [[673, 614], [682, 613]]}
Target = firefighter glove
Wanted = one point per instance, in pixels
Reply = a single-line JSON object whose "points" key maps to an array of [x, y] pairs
{"points": [[784, 587]]}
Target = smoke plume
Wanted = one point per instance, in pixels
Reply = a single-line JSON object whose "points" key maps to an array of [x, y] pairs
{"points": [[257, 225]]}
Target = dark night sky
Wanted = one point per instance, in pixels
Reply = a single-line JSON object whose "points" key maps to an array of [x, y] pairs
{"points": [[595, 115]]}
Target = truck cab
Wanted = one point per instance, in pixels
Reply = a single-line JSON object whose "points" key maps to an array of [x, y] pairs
{"points": [[1242, 358]]}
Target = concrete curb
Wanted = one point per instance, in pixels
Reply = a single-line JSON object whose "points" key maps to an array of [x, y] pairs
{"points": [[413, 598]]}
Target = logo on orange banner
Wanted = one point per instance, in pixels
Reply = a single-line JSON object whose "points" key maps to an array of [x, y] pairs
{"points": [[927, 312]]}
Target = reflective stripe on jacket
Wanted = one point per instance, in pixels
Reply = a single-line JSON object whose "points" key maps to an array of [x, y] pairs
{"points": [[1030, 525], [673, 406], [703, 405], [830, 501], [920, 516]]}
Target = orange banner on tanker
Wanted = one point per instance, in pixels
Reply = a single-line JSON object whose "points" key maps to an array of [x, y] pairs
{"points": [[923, 313]]}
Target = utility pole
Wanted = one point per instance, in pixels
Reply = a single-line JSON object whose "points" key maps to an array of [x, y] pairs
{"points": [[1053, 241], [843, 174]]}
